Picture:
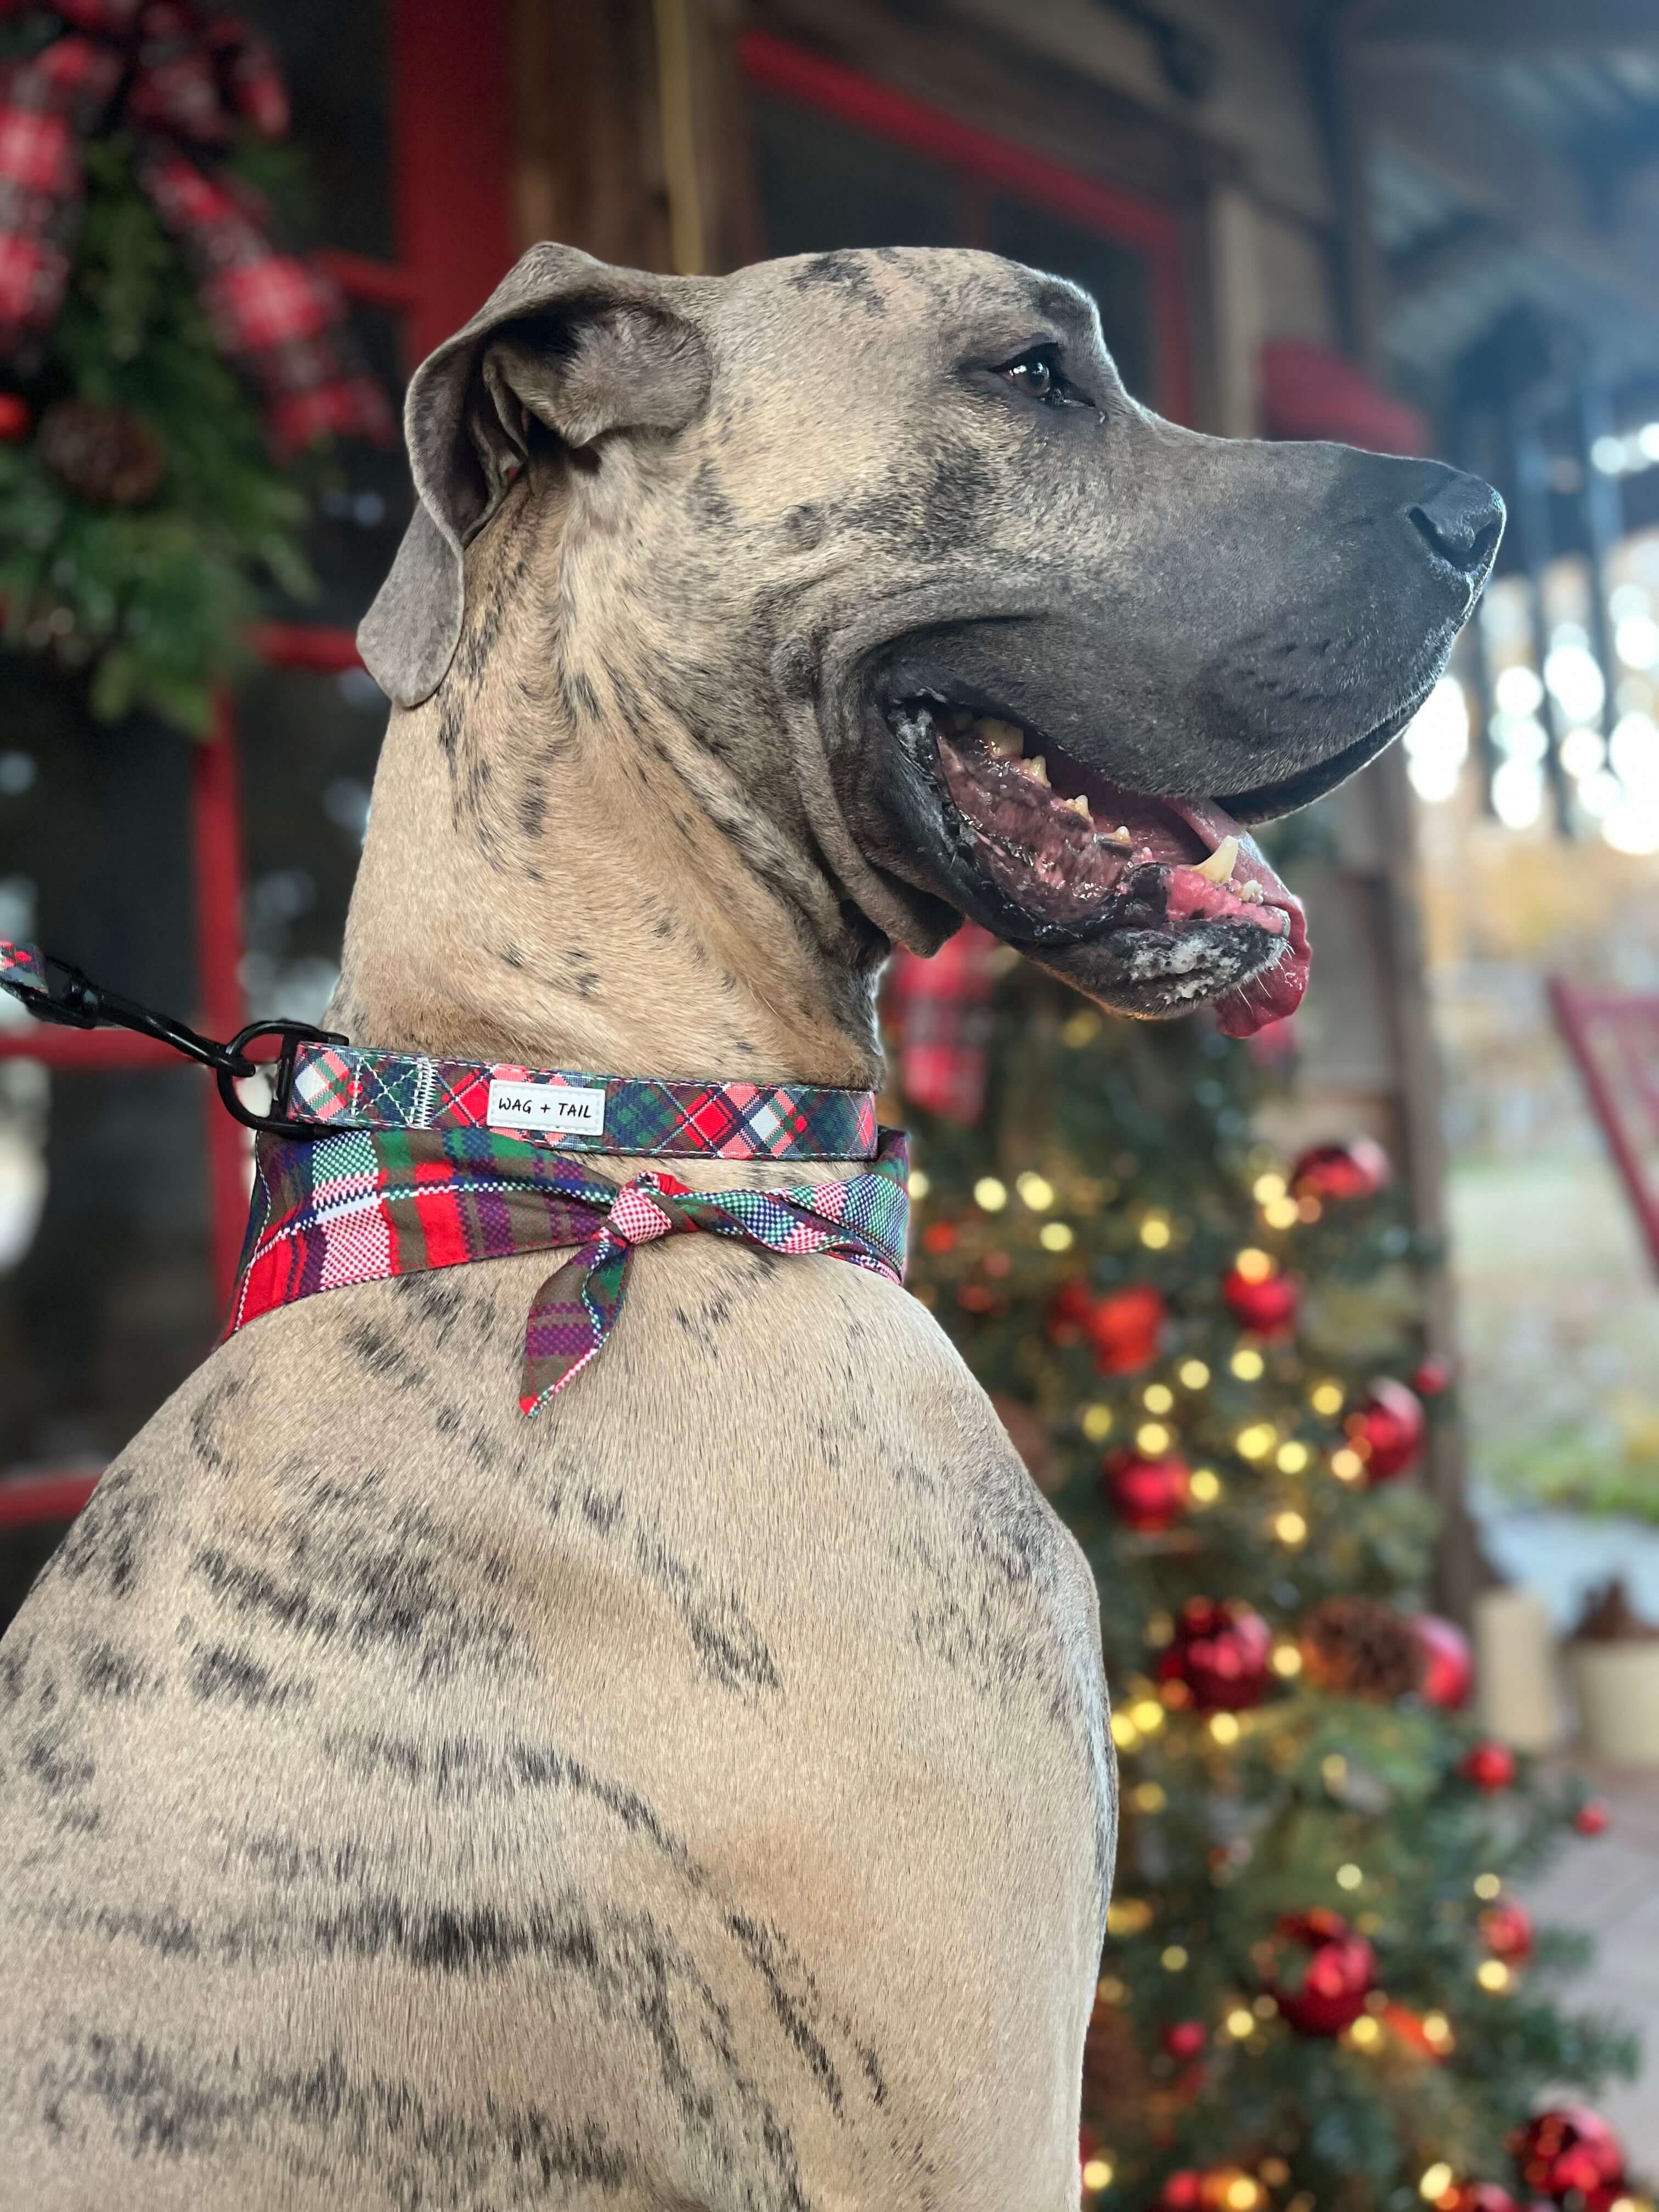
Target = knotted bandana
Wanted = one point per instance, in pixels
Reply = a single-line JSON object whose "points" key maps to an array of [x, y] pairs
{"points": [[183, 75], [366, 1205], [426, 1162]]}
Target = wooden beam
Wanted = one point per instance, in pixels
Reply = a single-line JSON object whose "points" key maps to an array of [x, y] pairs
{"points": [[1504, 26], [1511, 181]]}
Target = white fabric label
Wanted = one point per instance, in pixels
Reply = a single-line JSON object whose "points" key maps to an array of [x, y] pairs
{"points": [[546, 1106]]}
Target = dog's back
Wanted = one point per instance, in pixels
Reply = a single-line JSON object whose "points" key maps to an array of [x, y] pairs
{"points": [[695, 1796]]}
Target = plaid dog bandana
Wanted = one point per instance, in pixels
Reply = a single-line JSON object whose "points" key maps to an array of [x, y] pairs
{"points": [[366, 1205], [182, 74], [337, 1086]]}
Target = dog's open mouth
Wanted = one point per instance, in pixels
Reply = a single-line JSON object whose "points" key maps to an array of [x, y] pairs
{"points": [[1174, 893]]}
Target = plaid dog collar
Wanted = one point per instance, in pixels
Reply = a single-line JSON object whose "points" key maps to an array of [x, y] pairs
{"points": [[366, 1205], [419, 1163], [338, 1086]]}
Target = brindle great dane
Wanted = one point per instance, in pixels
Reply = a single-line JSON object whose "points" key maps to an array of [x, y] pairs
{"points": [[700, 1796]]}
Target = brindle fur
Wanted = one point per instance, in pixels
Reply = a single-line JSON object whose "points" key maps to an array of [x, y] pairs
{"points": [[700, 1796]]}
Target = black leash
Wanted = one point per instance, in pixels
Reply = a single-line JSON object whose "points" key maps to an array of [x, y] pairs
{"points": [[56, 992]]}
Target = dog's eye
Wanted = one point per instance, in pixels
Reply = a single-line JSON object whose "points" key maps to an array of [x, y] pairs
{"points": [[1037, 374]]}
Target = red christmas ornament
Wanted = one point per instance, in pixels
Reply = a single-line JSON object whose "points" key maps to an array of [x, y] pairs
{"points": [[1506, 1931], [1429, 1378], [1387, 1429], [1489, 1767], [1182, 2191], [1220, 1653], [1147, 1495], [1449, 1664], [1265, 1307], [1124, 1328], [1592, 1817], [1185, 2038], [1566, 2149], [1337, 1970], [15, 418], [1358, 1168]]}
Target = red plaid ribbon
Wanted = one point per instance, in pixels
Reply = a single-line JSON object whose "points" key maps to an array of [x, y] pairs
{"points": [[181, 75]]}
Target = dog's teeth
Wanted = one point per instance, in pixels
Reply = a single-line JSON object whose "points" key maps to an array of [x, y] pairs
{"points": [[1002, 740], [1220, 867], [1120, 835], [1037, 770], [1079, 806], [1250, 892]]}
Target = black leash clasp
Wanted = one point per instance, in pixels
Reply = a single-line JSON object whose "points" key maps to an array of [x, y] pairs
{"points": [[293, 1035], [64, 996]]}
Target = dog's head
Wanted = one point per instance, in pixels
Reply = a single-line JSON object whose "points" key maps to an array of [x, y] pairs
{"points": [[977, 633]]}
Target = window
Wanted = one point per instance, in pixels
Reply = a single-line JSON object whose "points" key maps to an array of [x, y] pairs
{"points": [[845, 161], [123, 1184]]}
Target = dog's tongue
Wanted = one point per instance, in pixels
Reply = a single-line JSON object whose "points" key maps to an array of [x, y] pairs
{"points": [[1268, 997]]}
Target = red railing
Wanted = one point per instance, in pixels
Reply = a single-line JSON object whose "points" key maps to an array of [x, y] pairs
{"points": [[1615, 1042]]}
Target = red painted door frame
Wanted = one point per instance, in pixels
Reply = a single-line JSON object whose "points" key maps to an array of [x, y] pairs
{"points": [[451, 138], [774, 64]]}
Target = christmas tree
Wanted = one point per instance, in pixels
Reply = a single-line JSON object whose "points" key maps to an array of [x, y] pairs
{"points": [[1319, 1993]]}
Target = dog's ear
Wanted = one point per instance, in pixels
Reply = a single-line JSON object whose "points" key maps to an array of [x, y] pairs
{"points": [[584, 348]]}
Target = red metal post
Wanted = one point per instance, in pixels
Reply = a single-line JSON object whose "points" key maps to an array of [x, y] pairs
{"points": [[451, 109], [217, 845]]}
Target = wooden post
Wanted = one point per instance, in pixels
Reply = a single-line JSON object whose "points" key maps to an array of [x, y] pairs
{"points": [[1460, 1568]]}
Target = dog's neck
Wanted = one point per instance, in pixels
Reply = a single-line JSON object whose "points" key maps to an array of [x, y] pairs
{"points": [[558, 872]]}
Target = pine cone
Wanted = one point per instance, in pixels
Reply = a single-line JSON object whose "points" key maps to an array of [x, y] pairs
{"points": [[108, 456], [1360, 1648]]}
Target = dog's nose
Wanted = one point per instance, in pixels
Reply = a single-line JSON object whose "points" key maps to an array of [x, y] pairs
{"points": [[1462, 520]]}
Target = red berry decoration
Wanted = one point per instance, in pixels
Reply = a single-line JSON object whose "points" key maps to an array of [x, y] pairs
{"points": [[1429, 1379], [1449, 1664], [1147, 1495], [1387, 1429], [14, 418], [1182, 2191], [1569, 2148], [1267, 1306], [1325, 1972], [1592, 1817], [1506, 1931], [1185, 2038], [1489, 1767], [1221, 1652], [1358, 1168]]}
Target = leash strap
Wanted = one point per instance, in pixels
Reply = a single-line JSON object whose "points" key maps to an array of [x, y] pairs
{"points": [[56, 993], [363, 1206]]}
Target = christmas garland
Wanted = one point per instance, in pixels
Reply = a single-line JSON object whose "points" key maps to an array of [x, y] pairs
{"points": [[160, 352]]}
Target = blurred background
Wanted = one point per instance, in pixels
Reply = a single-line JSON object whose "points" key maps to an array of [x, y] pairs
{"points": [[1420, 226]]}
